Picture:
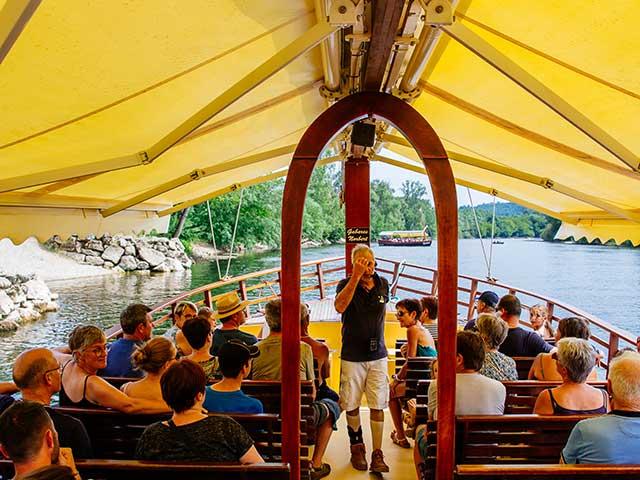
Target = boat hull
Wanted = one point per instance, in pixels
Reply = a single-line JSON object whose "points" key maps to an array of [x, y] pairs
{"points": [[404, 242]]}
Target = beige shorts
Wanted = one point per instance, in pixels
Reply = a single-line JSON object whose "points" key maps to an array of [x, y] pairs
{"points": [[369, 378]]}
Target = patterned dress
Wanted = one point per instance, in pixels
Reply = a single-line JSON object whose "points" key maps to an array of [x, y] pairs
{"points": [[499, 367]]}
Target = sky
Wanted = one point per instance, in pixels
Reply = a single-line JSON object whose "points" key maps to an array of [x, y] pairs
{"points": [[396, 175]]}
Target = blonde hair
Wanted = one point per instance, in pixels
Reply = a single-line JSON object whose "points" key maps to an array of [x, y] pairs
{"points": [[153, 355], [623, 375]]}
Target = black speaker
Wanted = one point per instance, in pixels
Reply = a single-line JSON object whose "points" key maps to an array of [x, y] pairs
{"points": [[363, 134]]}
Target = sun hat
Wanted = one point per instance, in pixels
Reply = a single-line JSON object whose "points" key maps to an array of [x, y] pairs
{"points": [[228, 304], [489, 298]]}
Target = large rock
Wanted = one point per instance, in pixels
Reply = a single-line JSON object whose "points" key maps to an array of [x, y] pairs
{"points": [[13, 317], [113, 254], [78, 257], [37, 290], [95, 245], [174, 264], [6, 304], [97, 261], [163, 267], [152, 257], [8, 326], [28, 315], [130, 250], [71, 244], [142, 266], [90, 253], [4, 283], [128, 263]]}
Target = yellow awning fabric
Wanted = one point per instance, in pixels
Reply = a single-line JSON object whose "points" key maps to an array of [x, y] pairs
{"points": [[94, 81]]}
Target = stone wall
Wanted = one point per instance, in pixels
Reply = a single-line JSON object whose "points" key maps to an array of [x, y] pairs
{"points": [[23, 298], [124, 252]]}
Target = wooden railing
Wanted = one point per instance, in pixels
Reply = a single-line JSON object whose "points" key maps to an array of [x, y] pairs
{"points": [[318, 276]]}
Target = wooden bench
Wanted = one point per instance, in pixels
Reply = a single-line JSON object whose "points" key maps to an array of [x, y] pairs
{"points": [[136, 469], [506, 439], [419, 369], [523, 365], [533, 472], [522, 395]]}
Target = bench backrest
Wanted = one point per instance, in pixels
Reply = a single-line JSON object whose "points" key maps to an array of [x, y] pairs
{"points": [[523, 365], [135, 470], [506, 439], [522, 395], [552, 471], [419, 368]]}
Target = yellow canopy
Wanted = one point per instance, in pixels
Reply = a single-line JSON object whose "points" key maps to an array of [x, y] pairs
{"points": [[88, 86]]}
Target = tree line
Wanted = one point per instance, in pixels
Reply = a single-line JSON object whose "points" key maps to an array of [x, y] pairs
{"points": [[323, 221]]}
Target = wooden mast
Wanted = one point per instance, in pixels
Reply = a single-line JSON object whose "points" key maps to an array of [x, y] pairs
{"points": [[407, 120]]}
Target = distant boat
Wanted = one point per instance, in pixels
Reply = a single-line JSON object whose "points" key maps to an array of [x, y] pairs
{"points": [[498, 242], [404, 238]]}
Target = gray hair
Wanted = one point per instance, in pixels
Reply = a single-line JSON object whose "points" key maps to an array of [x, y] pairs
{"points": [[273, 314], [577, 357], [492, 330], [84, 336], [359, 249], [623, 375]]}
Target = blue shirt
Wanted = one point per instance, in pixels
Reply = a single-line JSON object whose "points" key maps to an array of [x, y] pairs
{"points": [[613, 438], [231, 402], [119, 360]]}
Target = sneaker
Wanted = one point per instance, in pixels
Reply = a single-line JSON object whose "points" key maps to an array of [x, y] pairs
{"points": [[358, 456], [320, 472], [377, 462]]}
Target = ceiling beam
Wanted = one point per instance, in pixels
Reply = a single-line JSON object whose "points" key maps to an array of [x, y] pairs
{"points": [[385, 22], [235, 186], [519, 75], [29, 199], [266, 70], [525, 133], [197, 175], [14, 16], [543, 182], [476, 186]]}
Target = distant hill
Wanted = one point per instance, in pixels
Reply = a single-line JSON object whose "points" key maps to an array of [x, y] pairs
{"points": [[503, 209]]}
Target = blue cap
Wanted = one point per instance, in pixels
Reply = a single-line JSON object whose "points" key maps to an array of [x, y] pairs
{"points": [[489, 298]]}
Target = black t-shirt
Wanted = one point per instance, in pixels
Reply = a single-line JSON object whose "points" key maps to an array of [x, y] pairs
{"points": [[72, 434], [523, 343], [212, 439], [363, 322]]}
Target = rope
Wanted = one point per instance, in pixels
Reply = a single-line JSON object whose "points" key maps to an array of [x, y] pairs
{"points": [[475, 217], [493, 232], [233, 237], [213, 238]]}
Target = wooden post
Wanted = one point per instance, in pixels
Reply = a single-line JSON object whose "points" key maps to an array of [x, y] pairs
{"points": [[207, 298], [472, 298], [357, 205], [320, 275], [427, 144]]}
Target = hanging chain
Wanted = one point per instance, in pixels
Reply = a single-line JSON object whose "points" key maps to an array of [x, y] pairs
{"points": [[233, 238], [213, 238], [475, 217]]}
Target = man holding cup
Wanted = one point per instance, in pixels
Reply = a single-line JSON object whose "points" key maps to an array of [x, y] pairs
{"points": [[361, 299]]}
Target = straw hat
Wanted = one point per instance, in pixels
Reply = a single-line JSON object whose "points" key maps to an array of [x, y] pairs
{"points": [[228, 304]]}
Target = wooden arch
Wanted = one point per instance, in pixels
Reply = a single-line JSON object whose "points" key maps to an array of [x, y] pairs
{"points": [[424, 139]]}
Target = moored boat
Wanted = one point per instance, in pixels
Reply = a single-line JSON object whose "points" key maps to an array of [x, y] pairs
{"points": [[404, 238]]}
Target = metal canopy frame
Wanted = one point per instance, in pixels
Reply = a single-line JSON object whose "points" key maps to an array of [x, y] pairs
{"points": [[266, 70], [14, 17], [519, 75]]}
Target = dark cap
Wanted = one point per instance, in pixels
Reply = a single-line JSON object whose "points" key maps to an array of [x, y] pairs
{"points": [[236, 352], [489, 298]]}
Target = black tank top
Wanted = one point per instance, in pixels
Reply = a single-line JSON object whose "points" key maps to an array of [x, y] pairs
{"points": [[65, 401], [560, 410]]}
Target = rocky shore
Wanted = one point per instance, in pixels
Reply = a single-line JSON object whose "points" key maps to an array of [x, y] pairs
{"points": [[23, 299], [124, 253]]}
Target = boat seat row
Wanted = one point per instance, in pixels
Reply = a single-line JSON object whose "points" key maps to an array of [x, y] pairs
{"points": [[135, 469], [551, 471]]}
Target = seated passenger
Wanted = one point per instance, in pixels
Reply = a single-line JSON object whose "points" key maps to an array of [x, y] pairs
{"points": [[29, 439], [37, 373], [183, 312], [80, 384], [429, 315], [209, 314], [519, 342], [7, 388], [268, 366], [137, 325], [475, 393], [613, 438], [226, 396], [544, 365], [496, 365], [191, 435], [419, 344], [231, 313], [486, 303], [197, 331], [153, 358], [539, 319], [575, 361]]}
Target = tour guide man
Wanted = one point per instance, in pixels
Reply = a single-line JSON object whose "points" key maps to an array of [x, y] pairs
{"points": [[361, 299]]}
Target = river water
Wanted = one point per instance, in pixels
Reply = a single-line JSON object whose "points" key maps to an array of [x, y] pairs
{"points": [[600, 280]]}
